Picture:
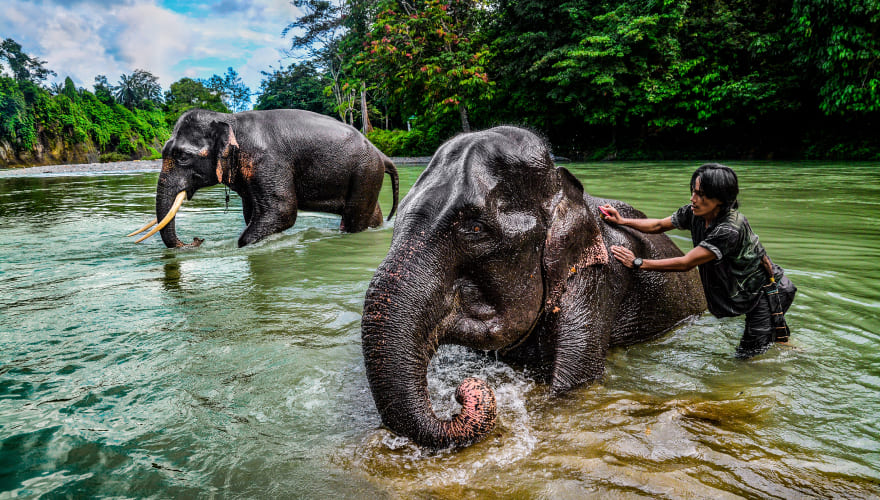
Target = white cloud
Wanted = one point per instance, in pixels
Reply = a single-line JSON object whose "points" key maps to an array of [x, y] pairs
{"points": [[72, 47], [152, 38], [85, 38]]}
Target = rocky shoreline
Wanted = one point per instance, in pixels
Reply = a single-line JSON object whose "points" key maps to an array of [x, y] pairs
{"points": [[139, 166]]}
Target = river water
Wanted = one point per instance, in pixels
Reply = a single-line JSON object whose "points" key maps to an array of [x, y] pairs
{"points": [[136, 371]]}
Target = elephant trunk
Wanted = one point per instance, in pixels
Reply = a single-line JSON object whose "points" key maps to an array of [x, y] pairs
{"points": [[167, 193], [399, 329]]}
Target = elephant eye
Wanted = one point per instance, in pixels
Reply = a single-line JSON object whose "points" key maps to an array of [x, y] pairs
{"points": [[184, 159], [473, 228]]}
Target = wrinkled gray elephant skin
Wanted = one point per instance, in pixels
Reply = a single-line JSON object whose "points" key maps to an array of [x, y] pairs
{"points": [[278, 161], [497, 249]]}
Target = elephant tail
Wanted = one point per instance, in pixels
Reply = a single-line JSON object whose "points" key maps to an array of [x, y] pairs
{"points": [[391, 170]]}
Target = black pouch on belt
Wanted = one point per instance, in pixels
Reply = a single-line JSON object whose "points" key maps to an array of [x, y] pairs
{"points": [[780, 294]]}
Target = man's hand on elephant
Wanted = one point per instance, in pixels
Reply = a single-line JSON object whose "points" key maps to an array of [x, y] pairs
{"points": [[624, 255], [610, 214]]}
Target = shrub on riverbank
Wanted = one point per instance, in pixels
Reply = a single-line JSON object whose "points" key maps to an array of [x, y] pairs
{"points": [[402, 142], [72, 126]]}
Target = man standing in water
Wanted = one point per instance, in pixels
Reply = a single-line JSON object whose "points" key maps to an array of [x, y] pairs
{"points": [[737, 276]]}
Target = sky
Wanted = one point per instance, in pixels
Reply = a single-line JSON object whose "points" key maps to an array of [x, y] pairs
{"points": [[171, 39]]}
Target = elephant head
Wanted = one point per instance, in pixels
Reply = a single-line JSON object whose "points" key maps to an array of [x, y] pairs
{"points": [[482, 245], [201, 152]]}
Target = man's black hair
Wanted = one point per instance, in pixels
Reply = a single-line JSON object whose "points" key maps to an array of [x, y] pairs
{"points": [[719, 182]]}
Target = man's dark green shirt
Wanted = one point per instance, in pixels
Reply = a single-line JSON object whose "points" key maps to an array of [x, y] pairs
{"points": [[732, 282]]}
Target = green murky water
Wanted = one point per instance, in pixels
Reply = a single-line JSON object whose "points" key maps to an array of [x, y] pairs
{"points": [[135, 371]]}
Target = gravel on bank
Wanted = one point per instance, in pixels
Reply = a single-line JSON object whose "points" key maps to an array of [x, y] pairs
{"points": [[139, 166]]}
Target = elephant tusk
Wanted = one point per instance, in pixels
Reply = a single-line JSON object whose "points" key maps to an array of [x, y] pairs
{"points": [[171, 213], [141, 230]]}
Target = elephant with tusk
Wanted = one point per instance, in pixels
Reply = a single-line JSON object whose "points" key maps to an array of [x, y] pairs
{"points": [[278, 161], [497, 249]]}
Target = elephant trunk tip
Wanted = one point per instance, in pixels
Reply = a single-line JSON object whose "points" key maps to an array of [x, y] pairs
{"points": [[478, 416]]}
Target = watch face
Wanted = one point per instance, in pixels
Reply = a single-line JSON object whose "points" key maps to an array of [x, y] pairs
{"points": [[637, 262]]}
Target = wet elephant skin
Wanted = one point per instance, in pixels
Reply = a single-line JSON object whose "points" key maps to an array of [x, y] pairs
{"points": [[278, 161], [497, 249]]}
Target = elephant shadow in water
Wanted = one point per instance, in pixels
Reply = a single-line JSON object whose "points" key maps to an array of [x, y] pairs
{"points": [[497, 249], [278, 161]]}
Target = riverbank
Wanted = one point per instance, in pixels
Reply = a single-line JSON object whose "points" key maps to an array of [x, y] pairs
{"points": [[139, 166]]}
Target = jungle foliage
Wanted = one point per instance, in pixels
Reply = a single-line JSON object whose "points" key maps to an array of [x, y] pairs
{"points": [[129, 120], [299, 86], [628, 79], [616, 78], [69, 124]]}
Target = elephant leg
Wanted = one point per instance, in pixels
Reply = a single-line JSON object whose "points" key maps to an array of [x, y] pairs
{"points": [[356, 219], [355, 222], [265, 224], [247, 208], [271, 213], [361, 209], [376, 220]]}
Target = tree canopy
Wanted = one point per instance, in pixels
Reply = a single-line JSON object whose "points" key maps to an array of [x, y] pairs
{"points": [[624, 78], [632, 79], [299, 86], [187, 93], [231, 89], [140, 89], [23, 67]]}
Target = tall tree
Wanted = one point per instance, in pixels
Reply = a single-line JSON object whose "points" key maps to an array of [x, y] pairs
{"points": [[429, 51], [299, 86], [187, 93], [16, 120], [318, 33], [839, 45], [69, 89], [138, 90], [235, 94], [103, 90], [522, 33], [23, 67]]}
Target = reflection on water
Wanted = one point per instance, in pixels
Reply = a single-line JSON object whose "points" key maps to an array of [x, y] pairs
{"points": [[133, 370]]}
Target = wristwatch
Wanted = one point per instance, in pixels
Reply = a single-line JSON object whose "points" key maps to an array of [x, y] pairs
{"points": [[637, 262]]}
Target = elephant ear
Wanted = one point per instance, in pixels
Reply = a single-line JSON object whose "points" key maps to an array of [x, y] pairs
{"points": [[226, 149], [573, 241]]}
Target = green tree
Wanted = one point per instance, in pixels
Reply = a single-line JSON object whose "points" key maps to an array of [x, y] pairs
{"points": [[838, 45], [428, 54], [230, 87], [522, 32], [187, 93], [103, 90], [621, 69], [318, 33], [69, 89], [299, 86], [16, 120], [23, 67], [22, 99], [643, 72], [140, 89]]}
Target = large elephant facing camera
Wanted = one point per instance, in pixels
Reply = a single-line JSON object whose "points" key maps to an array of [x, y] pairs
{"points": [[497, 249], [278, 161]]}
